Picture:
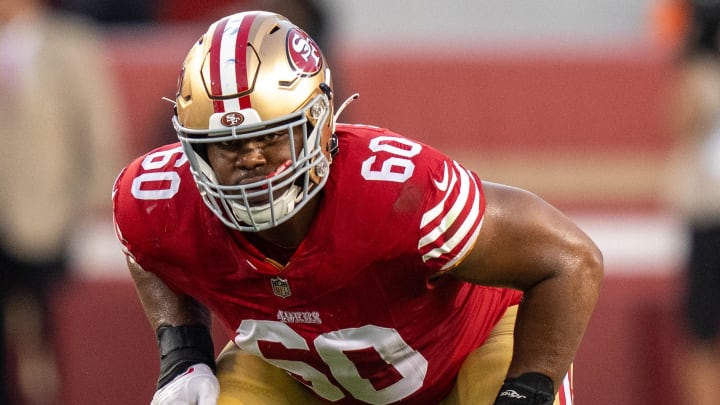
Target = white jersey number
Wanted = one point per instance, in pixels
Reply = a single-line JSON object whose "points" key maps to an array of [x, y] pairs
{"points": [[397, 168], [166, 183], [331, 347]]}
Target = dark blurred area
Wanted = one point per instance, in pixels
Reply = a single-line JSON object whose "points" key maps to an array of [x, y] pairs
{"points": [[703, 27], [695, 197], [305, 13], [62, 145]]}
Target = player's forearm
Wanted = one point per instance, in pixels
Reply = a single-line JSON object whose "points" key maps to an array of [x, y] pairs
{"points": [[553, 317], [183, 329], [182, 313], [163, 307]]}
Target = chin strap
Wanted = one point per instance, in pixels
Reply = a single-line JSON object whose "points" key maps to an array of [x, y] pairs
{"points": [[263, 214]]}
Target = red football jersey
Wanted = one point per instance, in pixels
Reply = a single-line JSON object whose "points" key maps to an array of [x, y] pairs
{"points": [[362, 312]]}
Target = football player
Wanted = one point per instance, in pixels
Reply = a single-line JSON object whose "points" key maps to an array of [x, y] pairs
{"points": [[354, 265]]}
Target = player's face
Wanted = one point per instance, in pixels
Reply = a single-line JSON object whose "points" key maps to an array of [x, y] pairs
{"points": [[242, 162]]}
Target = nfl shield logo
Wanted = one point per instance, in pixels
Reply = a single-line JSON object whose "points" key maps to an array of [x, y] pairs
{"points": [[280, 287]]}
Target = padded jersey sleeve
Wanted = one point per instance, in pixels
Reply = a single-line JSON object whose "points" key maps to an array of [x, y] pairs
{"points": [[416, 200], [147, 201], [126, 215], [116, 223], [453, 213]]}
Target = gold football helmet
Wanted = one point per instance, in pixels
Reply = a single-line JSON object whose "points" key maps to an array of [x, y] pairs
{"points": [[253, 74]]}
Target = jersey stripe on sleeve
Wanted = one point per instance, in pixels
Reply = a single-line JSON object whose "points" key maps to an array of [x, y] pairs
{"points": [[450, 228]]}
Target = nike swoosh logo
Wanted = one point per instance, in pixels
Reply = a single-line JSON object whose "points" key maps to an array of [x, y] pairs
{"points": [[443, 184]]}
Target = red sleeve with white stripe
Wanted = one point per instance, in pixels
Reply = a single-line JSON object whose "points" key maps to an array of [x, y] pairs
{"points": [[566, 395], [452, 221]]}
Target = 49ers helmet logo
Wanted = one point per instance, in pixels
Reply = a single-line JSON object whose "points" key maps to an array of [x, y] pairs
{"points": [[232, 119], [303, 53]]}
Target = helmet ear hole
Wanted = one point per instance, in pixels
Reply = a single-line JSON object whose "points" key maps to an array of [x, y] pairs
{"points": [[201, 150]]}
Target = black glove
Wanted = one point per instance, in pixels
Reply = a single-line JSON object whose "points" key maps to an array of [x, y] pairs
{"points": [[182, 347], [528, 389]]}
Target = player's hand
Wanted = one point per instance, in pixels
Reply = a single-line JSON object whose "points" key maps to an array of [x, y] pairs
{"points": [[528, 389], [196, 386]]}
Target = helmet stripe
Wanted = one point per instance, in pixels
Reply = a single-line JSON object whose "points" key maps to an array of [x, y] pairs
{"points": [[215, 83], [228, 64], [241, 58]]}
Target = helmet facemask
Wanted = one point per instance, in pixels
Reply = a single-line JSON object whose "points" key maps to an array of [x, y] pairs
{"points": [[299, 179]]}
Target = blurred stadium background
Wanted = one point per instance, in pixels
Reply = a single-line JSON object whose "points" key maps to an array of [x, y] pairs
{"points": [[565, 98]]}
